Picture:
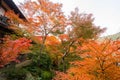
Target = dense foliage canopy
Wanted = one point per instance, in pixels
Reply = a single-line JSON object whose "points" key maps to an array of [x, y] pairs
{"points": [[51, 46]]}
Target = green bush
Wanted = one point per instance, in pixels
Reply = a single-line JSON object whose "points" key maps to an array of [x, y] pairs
{"points": [[41, 67], [17, 74], [46, 75]]}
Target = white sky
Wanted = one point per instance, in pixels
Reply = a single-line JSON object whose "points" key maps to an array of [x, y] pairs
{"points": [[105, 12]]}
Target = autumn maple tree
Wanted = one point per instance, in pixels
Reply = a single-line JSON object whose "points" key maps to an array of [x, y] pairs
{"points": [[11, 49], [81, 27], [14, 43], [105, 58], [45, 18], [100, 62]]}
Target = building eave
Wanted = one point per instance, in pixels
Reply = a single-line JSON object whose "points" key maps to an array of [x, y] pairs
{"points": [[14, 7]]}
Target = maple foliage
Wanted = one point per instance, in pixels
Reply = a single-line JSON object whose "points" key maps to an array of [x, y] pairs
{"points": [[52, 43], [16, 24], [44, 17], [100, 62], [104, 57], [76, 74], [14, 18], [50, 40], [82, 25], [10, 49]]}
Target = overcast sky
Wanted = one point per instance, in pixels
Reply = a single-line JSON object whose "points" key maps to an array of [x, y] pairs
{"points": [[105, 12]]}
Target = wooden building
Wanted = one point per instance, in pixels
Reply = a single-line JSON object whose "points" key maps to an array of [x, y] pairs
{"points": [[6, 5]]}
